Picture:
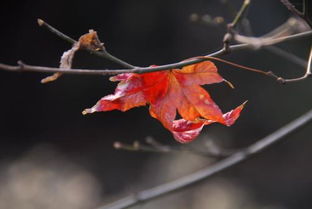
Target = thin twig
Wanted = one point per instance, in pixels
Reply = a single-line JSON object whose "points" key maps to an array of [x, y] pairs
{"points": [[307, 73], [104, 53], [226, 163], [270, 39], [303, 15], [266, 73], [239, 16], [24, 67], [292, 8], [154, 146], [273, 49]]}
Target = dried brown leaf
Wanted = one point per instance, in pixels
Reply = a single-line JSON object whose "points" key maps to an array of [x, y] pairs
{"points": [[87, 41]]}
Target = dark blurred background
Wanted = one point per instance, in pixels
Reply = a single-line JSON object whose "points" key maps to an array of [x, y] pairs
{"points": [[51, 156]]}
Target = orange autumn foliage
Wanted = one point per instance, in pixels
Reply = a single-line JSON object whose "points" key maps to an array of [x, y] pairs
{"points": [[169, 92]]}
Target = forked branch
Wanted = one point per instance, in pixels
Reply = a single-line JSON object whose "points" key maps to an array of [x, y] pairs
{"points": [[307, 73], [24, 67]]}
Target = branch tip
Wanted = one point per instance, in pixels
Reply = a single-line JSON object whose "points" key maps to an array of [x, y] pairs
{"points": [[229, 83], [40, 22]]}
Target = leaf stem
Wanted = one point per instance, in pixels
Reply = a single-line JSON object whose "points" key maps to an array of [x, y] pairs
{"points": [[268, 73]]}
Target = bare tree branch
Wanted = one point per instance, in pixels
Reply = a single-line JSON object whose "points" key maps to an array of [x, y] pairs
{"points": [[271, 38], [227, 162], [212, 150], [292, 8], [24, 67], [245, 23], [230, 27], [205, 173], [291, 26]]}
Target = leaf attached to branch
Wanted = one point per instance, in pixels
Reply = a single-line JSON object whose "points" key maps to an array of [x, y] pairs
{"points": [[169, 92], [87, 41]]}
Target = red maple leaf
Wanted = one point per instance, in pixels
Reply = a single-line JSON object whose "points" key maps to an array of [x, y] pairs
{"points": [[168, 92]]}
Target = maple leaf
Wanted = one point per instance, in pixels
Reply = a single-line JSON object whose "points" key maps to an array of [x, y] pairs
{"points": [[169, 92]]}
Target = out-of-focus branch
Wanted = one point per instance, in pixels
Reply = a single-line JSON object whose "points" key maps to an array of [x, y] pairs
{"points": [[205, 173], [103, 53], [273, 49], [154, 146], [289, 56], [291, 26], [292, 8], [271, 38]]}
